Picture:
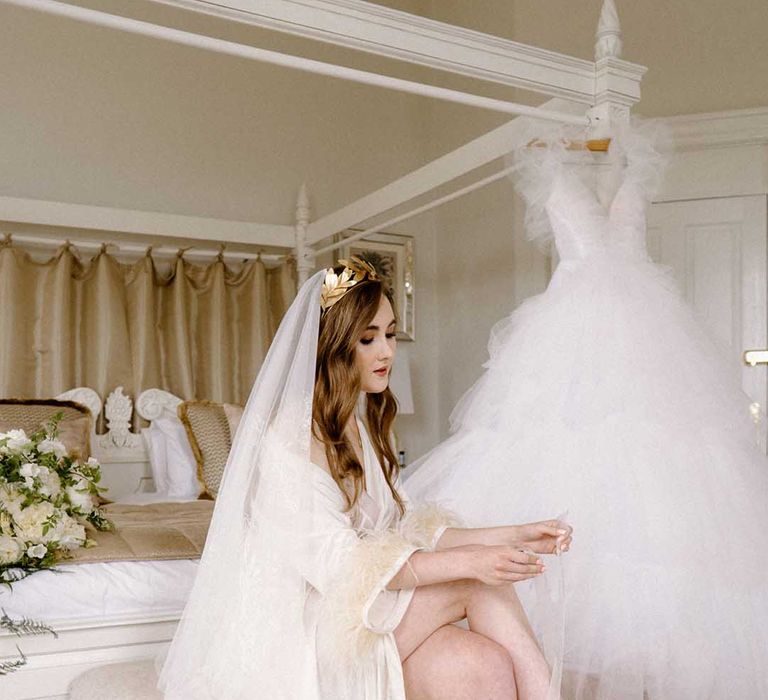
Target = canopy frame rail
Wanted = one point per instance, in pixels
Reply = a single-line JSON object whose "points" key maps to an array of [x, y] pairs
{"points": [[610, 103], [231, 48], [609, 86], [395, 34]]}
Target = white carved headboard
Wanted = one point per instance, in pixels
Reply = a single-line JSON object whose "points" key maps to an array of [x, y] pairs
{"points": [[122, 453]]}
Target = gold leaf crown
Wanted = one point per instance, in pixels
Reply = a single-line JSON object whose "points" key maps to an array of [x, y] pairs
{"points": [[336, 286]]}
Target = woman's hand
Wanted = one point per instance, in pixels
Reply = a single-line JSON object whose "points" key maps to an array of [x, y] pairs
{"points": [[545, 537], [497, 564]]}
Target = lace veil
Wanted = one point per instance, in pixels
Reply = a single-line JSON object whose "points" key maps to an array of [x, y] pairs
{"points": [[242, 629]]}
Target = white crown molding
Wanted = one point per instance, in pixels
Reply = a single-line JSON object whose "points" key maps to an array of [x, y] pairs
{"points": [[743, 127], [399, 35]]}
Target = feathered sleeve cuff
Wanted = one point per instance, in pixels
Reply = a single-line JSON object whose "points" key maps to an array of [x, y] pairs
{"points": [[424, 524], [367, 570], [358, 608]]}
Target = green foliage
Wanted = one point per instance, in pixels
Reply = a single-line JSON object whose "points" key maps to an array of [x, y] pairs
{"points": [[8, 667], [24, 626]]}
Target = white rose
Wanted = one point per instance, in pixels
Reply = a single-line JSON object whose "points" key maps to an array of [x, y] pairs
{"points": [[50, 483], [80, 497], [54, 532], [30, 521], [93, 462], [11, 499], [81, 483], [30, 469], [10, 550], [52, 445], [38, 551], [72, 535], [17, 440], [65, 525], [6, 523], [45, 446]]}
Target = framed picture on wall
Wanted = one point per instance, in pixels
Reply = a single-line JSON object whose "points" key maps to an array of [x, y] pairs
{"points": [[391, 255]]}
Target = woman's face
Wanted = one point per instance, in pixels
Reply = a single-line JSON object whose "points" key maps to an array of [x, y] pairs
{"points": [[375, 351]]}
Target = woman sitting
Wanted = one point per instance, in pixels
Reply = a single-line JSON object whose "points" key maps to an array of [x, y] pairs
{"points": [[340, 588]]}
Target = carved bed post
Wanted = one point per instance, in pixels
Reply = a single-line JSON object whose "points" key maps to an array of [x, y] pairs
{"points": [[617, 82], [617, 88], [608, 32], [305, 254]]}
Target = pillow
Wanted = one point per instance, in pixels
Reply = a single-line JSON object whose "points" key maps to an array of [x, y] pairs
{"points": [[210, 427], [174, 468], [29, 414], [234, 413], [154, 442], [180, 463]]}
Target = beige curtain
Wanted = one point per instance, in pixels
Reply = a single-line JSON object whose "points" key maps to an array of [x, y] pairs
{"points": [[201, 331]]}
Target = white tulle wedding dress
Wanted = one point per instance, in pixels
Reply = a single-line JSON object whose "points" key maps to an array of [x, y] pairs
{"points": [[604, 397]]}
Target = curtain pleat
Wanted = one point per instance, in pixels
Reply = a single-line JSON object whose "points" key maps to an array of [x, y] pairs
{"points": [[58, 316], [199, 331], [18, 323], [176, 319], [143, 292]]}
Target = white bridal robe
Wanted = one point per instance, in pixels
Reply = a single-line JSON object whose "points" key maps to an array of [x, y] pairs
{"points": [[349, 614], [309, 616]]}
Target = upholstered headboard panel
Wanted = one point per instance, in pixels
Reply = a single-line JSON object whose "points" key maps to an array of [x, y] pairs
{"points": [[28, 415]]}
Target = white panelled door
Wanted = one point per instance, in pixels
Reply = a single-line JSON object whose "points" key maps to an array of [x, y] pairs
{"points": [[717, 249]]}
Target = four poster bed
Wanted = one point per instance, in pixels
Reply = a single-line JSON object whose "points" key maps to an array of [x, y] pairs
{"points": [[131, 622]]}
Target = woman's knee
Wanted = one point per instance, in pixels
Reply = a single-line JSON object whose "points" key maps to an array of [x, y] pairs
{"points": [[457, 663], [477, 589], [453, 596], [491, 668]]}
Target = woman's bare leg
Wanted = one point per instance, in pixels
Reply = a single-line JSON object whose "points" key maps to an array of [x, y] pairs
{"points": [[492, 611], [457, 664], [496, 612]]}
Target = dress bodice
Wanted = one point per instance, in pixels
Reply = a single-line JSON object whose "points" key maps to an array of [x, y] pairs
{"points": [[558, 186], [582, 226]]}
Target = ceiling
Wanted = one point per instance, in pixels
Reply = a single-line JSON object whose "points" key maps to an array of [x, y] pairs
{"points": [[702, 55]]}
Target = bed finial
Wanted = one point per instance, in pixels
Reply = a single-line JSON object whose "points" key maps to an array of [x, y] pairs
{"points": [[608, 42], [305, 255]]}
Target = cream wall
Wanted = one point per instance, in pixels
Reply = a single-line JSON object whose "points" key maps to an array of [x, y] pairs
{"points": [[703, 55], [95, 116], [98, 117]]}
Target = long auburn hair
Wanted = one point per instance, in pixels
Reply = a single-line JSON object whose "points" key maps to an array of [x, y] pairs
{"points": [[337, 387]]}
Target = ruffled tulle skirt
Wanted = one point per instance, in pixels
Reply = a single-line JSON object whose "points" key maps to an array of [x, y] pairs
{"points": [[604, 398]]}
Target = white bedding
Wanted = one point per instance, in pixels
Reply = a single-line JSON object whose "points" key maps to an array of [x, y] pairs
{"points": [[100, 590]]}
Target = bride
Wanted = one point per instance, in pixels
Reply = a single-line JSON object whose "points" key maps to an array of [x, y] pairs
{"points": [[320, 579], [605, 398]]}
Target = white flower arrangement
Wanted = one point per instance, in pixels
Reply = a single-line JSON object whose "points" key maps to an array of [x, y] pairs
{"points": [[46, 499]]}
